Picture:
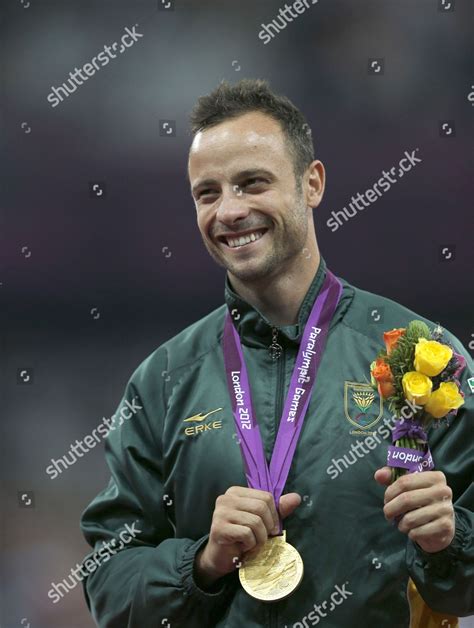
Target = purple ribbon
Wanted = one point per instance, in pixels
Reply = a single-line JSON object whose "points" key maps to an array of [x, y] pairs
{"points": [[410, 429], [414, 460], [259, 474]]}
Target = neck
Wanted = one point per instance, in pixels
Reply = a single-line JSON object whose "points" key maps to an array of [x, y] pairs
{"points": [[279, 298]]}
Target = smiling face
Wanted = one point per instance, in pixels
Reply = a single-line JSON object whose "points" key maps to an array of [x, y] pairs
{"points": [[253, 218]]}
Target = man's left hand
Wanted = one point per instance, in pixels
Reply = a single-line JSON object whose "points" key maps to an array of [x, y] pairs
{"points": [[423, 501]]}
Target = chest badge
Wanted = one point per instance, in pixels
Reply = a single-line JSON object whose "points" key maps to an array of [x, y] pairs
{"points": [[363, 406]]}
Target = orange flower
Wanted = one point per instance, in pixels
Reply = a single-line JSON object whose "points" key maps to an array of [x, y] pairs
{"points": [[382, 374], [391, 338]]}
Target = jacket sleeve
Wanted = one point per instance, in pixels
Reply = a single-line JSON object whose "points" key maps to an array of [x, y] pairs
{"points": [[445, 579], [147, 580]]}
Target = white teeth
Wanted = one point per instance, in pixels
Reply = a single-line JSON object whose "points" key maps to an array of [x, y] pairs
{"points": [[233, 242]]}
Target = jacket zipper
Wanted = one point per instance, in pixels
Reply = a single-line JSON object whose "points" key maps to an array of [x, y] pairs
{"points": [[280, 391]]}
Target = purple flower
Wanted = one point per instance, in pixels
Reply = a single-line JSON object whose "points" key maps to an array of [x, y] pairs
{"points": [[461, 361]]}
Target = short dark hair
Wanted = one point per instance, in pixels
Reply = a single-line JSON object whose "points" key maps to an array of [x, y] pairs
{"points": [[230, 101]]}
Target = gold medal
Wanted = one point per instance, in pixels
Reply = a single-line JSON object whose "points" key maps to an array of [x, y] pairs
{"points": [[272, 572]]}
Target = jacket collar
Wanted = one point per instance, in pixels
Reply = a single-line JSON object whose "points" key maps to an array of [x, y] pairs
{"points": [[255, 329]]}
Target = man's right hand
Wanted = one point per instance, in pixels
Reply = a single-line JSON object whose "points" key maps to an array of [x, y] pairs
{"points": [[243, 519]]}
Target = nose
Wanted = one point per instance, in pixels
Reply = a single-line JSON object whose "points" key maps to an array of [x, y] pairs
{"points": [[232, 205]]}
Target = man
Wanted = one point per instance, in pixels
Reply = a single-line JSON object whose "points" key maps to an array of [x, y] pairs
{"points": [[177, 467]]}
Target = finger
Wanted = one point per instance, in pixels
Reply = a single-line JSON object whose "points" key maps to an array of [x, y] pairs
{"points": [[254, 522], [383, 476], [229, 533], [406, 502], [256, 507], [422, 516], [254, 493], [435, 535], [414, 481], [410, 500], [288, 503]]}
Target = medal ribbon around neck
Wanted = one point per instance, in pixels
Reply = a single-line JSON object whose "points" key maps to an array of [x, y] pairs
{"points": [[259, 474]]}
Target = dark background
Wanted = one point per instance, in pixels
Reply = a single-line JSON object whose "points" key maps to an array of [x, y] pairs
{"points": [[109, 253]]}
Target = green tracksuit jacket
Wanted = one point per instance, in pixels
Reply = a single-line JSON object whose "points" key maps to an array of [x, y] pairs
{"points": [[179, 452]]}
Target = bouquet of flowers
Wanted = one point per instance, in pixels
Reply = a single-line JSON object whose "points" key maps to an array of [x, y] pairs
{"points": [[419, 370]]}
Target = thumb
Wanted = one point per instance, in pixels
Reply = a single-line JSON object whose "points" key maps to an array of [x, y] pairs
{"points": [[288, 503], [383, 476]]}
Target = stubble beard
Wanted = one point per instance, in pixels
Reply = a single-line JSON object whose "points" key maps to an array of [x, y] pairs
{"points": [[283, 248]]}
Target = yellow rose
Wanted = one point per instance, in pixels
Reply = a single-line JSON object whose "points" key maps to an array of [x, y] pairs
{"points": [[417, 387], [444, 399], [431, 357]]}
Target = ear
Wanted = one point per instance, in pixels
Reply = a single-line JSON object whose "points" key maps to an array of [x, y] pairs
{"points": [[314, 183]]}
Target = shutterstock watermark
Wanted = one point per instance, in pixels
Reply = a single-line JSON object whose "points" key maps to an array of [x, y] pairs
{"points": [[77, 78], [285, 16], [320, 611], [81, 447], [358, 449], [76, 574], [361, 201]]}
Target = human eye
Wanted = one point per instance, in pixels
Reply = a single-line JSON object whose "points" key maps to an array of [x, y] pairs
{"points": [[205, 194], [255, 181]]}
